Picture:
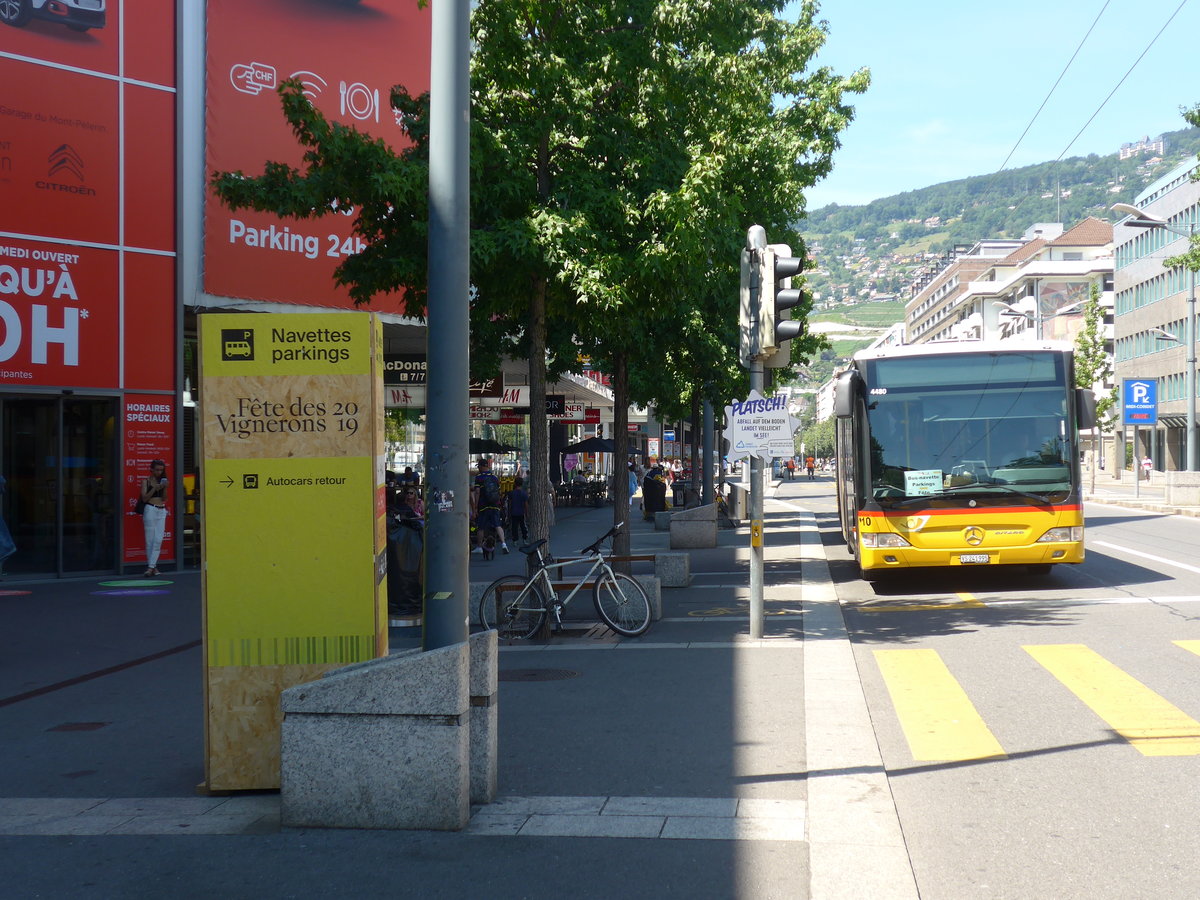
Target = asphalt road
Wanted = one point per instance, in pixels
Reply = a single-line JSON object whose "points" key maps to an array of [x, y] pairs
{"points": [[1040, 733]]}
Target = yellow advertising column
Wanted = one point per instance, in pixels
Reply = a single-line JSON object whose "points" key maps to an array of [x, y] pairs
{"points": [[293, 521]]}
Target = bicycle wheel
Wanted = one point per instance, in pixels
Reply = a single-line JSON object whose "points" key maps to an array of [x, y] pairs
{"points": [[500, 611], [621, 603]]}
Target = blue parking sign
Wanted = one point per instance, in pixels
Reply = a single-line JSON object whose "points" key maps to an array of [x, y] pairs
{"points": [[1139, 401]]}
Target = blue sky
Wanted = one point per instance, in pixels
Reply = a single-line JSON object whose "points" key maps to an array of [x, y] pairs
{"points": [[956, 83]]}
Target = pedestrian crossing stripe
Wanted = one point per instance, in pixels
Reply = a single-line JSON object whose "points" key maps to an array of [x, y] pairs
{"points": [[1193, 646], [939, 720], [1151, 724]]}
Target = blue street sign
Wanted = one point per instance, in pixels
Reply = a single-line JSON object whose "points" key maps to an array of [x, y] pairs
{"points": [[668, 434], [1139, 401]]}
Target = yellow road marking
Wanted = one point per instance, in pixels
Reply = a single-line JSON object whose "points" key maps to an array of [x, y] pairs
{"points": [[1153, 725], [939, 721], [1193, 646]]}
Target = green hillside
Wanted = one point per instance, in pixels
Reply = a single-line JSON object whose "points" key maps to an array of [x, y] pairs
{"points": [[863, 252]]}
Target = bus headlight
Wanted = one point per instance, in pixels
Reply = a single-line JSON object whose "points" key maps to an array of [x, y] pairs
{"points": [[880, 540], [1071, 533]]}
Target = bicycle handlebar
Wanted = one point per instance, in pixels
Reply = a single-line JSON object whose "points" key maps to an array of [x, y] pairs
{"points": [[594, 547]]}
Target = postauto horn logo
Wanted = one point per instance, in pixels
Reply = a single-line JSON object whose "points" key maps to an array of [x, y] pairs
{"points": [[237, 344], [64, 162]]}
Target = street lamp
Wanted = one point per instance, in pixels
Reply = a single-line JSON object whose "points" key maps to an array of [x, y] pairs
{"points": [[1036, 318], [1139, 218]]}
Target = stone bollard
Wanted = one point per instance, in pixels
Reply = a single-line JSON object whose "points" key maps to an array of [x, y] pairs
{"points": [[485, 727], [673, 569], [380, 744], [693, 529]]}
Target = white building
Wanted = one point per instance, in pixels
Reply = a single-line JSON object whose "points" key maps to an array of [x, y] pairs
{"points": [[1151, 300]]}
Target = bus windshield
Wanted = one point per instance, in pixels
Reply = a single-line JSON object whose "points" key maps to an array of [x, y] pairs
{"points": [[969, 426]]}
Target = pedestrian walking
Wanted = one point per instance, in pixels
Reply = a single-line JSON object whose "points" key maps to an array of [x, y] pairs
{"points": [[154, 513], [790, 465], [485, 508], [518, 499], [1147, 465], [810, 463]]}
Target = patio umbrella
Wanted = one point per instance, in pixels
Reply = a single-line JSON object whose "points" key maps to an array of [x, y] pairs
{"points": [[487, 445], [596, 445]]}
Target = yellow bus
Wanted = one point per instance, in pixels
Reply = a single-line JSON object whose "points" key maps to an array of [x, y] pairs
{"points": [[961, 454]]}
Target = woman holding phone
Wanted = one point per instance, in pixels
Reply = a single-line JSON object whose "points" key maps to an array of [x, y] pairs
{"points": [[154, 516]]}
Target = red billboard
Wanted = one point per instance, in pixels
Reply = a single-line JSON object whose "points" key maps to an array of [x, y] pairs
{"points": [[348, 56], [59, 324]]}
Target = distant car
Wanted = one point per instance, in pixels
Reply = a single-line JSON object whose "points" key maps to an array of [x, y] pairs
{"points": [[79, 15]]}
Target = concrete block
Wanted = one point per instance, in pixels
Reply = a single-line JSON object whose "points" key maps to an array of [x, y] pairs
{"points": [[662, 519], [673, 570], [653, 588], [410, 683], [381, 744], [1183, 488], [374, 772], [484, 722], [694, 528], [476, 594]]}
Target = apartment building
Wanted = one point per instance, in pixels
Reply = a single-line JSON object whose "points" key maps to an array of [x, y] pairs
{"points": [[931, 312], [1152, 308]]}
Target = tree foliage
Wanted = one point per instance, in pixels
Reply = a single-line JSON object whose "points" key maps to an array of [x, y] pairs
{"points": [[1093, 360], [619, 152]]}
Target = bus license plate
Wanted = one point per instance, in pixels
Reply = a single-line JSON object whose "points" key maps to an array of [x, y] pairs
{"points": [[967, 559]]}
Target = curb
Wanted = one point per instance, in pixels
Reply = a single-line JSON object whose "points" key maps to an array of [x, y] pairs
{"points": [[856, 844]]}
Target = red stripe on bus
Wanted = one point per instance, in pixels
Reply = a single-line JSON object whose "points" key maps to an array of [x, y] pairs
{"points": [[967, 512]]}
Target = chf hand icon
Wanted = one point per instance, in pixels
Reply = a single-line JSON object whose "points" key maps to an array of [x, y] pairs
{"points": [[252, 78]]}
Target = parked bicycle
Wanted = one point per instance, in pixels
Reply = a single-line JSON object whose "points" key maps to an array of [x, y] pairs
{"points": [[517, 607]]}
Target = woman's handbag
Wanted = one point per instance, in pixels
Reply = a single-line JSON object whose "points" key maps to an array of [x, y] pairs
{"points": [[139, 507]]}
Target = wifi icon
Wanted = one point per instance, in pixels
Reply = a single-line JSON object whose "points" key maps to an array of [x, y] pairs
{"points": [[312, 83]]}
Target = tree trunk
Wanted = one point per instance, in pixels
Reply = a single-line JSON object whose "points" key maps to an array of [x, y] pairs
{"points": [[695, 461], [621, 510], [541, 487]]}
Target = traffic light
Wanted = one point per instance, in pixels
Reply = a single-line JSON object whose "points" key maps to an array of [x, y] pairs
{"points": [[746, 323], [776, 297]]}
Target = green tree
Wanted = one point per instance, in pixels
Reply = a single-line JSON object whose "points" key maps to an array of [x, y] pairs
{"points": [[1094, 369], [619, 151]]}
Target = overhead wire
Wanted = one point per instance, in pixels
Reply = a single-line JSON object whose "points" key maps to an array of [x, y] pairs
{"points": [[1104, 102], [1128, 71], [1054, 87]]}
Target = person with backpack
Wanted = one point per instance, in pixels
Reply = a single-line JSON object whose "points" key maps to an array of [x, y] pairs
{"points": [[485, 507]]}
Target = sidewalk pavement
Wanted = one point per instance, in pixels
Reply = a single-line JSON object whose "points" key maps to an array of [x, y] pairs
{"points": [[1149, 496], [692, 761]]}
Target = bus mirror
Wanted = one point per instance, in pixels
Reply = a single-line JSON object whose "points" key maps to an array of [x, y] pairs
{"points": [[843, 393], [1085, 408]]}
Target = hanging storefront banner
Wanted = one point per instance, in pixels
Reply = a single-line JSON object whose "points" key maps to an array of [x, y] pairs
{"points": [[348, 56], [294, 506], [149, 435]]}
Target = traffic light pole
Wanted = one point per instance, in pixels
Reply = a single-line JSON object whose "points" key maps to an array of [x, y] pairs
{"points": [[756, 520], [447, 584], [756, 243]]}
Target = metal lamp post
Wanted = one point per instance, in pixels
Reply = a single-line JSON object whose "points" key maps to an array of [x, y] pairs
{"points": [[1139, 218], [1036, 318]]}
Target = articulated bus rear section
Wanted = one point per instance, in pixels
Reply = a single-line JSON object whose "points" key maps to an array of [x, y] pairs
{"points": [[961, 455]]}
